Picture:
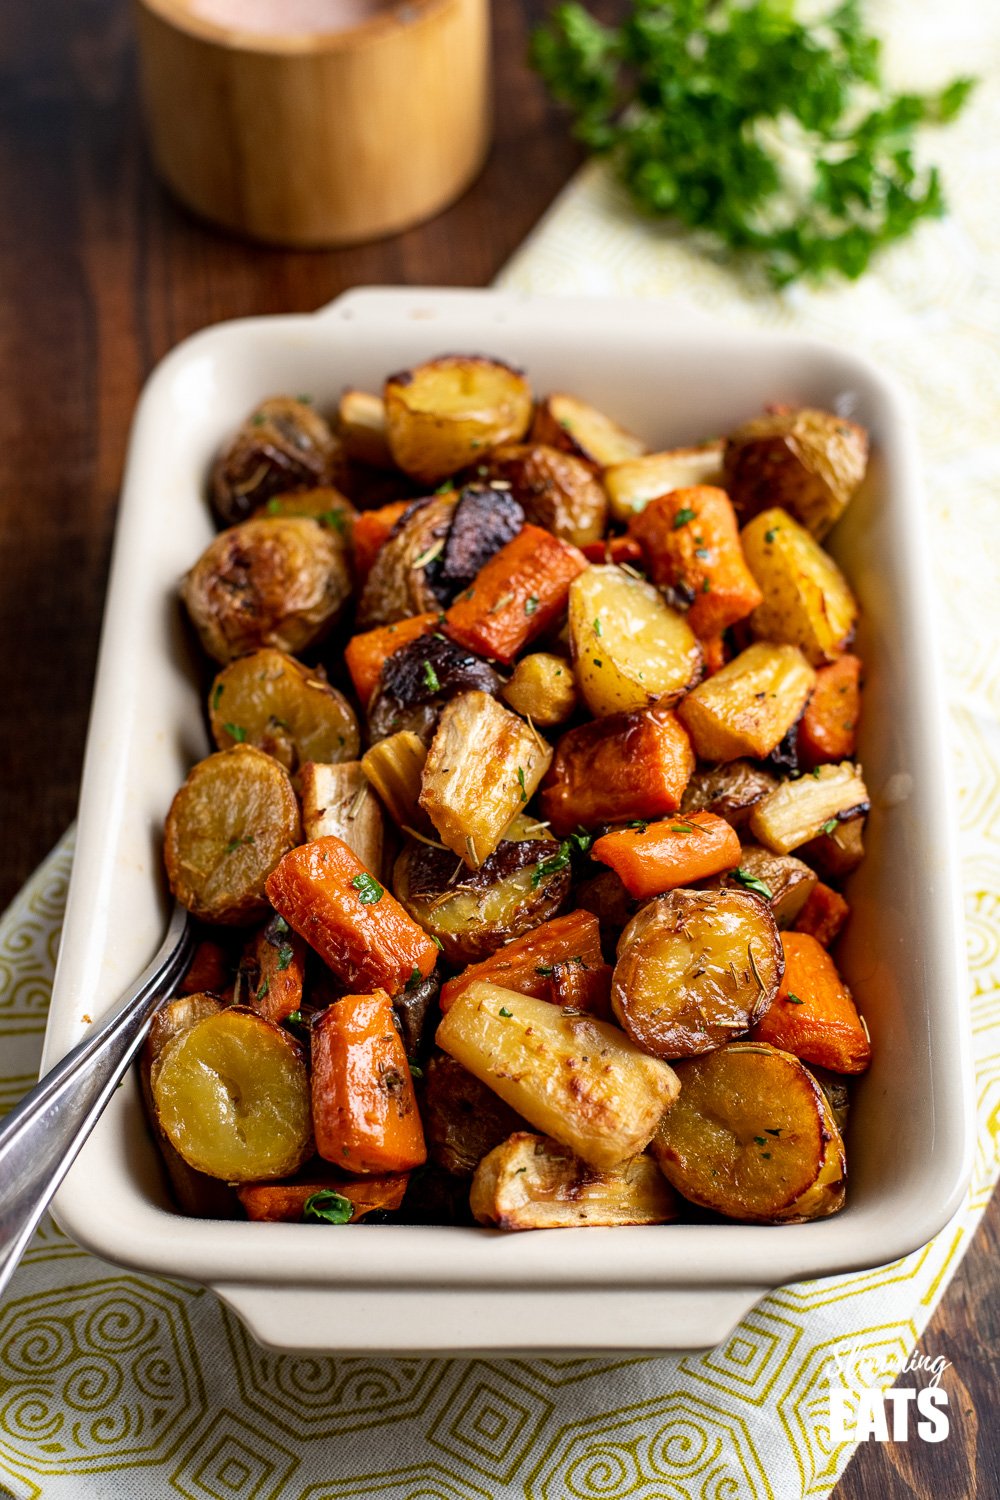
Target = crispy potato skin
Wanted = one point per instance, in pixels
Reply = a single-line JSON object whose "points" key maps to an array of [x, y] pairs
{"points": [[532, 1182], [284, 708], [684, 982], [463, 1118], [283, 445], [555, 489], [280, 582], [748, 707], [399, 585], [807, 600], [228, 827], [614, 769], [445, 415], [753, 1137], [630, 649], [809, 462]]}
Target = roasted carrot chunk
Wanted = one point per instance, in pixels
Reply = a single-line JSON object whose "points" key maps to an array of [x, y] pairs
{"points": [[714, 654], [325, 894], [617, 768], [367, 653], [691, 541], [318, 1194], [365, 1116], [829, 727], [550, 962], [823, 915], [371, 531], [520, 592], [210, 970], [276, 963], [813, 1014], [676, 852], [613, 549]]}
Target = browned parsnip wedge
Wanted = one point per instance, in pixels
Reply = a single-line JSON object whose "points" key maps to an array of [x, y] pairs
{"points": [[531, 1182], [800, 810], [289, 710], [696, 969], [447, 414], [566, 422], [753, 1137], [748, 706], [232, 1096], [577, 1079], [339, 800], [231, 822], [395, 768]]}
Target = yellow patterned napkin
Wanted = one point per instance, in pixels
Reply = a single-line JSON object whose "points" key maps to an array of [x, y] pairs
{"points": [[118, 1385]]}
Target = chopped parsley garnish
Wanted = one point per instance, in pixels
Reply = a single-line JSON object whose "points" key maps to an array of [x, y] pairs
{"points": [[416, 1071], [431, 679], [597, 625], [759, 1140], [329, 1207], [415, 978], [520, 782], [551, 866], [683, 516], [285, 955], [236, 732], [235, 844], [335, 519], [447, 487], [277, 925], [368, 889], [770, 534], [217, 692], [263, 988], [598, 662], [295, 1018], [436, 941], [531, 604], [582, 840], [751, 883], [793, 1000], [503, 1011], [831, 826], [545, 970]]}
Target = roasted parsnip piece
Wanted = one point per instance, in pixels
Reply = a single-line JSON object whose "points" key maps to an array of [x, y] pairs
{"points": [[696, 969], [444, 415], [800, 810], [531, 1182], [579, 1080], [482, 768], [362, 429], [340, 800], [573, 425], [542, 689], [395, 768], [632, 484], [289, 710], [629, 647], [807, 599], [753, 1137], [748, 706], [810, 462]]}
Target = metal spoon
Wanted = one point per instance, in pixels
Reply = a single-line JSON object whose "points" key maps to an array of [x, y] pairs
{"points": [[40, 1139]]}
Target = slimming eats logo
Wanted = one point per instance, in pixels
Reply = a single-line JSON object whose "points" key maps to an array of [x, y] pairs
{"points": [[864, 1404]]}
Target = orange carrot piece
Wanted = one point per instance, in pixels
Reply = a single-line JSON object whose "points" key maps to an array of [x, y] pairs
{"points": [[828, 729], [365, 1115], [614, 769], [664, 855], [371, 531], [613, 549], [366, 654], [210, 970], [691, 542], [714, 654], [813, 1014], [358, 928], [516, 596], [529, 964], [285, 1202], [582, 987], [823, 915], [278, 958]]}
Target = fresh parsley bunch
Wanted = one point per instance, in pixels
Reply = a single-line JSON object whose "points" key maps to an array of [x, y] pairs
{"points": [[772, 135]]}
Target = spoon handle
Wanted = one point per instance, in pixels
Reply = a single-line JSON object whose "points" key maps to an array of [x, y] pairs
{"points": [[40, 1138]]}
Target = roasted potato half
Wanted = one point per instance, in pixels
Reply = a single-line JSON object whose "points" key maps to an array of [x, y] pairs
{"points": [[696, 969], [629, 647], [472, 913], [752, 1136], [463, 1119], [270, 700], [784, 882], [749, 705], [532, 1182], [809, 462], [447, 414], [361, 427], [576, 427], [555, 490], [229, 825], [401, 581], [283, 445], [807, 600], [279, 582], [231, 1094]]}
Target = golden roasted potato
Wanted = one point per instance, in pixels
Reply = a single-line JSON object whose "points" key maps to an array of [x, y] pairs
{"points": [[473, 912], [270, 700], [228, 826], [753, 1137], [731, 790], [399, 584], [809, 462], [447, 414], [283, 445], [632, 484], [576, 427], [483, 766], [231, 1095], [555, 489], [807, 599], [784, 882], [325, 505], [463, 1119], [279, 582], [361, 427], [696, 969], [800, 810], [577, 1079], [339, 800], [749, 705], [542, 689], [531, 1182], [630, 648]]}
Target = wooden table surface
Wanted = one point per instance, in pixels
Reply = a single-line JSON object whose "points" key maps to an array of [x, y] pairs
{"points": [[100, 274]]}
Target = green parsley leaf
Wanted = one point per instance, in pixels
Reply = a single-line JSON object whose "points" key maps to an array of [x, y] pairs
{"points": [[235, 732], [581, 840], [550, 866], [368, 889], [446, 488], [597, 625], [235, 844], [545, 970], [329, 1207], [503, 1011], [770, 534], [683, 516], [416, 1071], [415, 978], [531, 604], [751, 883], [520, 782], [295, 1018], [285, 956], [263, 988], [431, 679], [794, 1000], [277, 925], [831, 826], [217, 692], [335, 519]]}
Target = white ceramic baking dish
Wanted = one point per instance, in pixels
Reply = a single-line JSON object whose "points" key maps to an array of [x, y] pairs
{"points": [[438, 1289]]}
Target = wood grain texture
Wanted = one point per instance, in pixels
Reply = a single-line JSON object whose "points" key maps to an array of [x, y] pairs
{"points": [[100, 274]]}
